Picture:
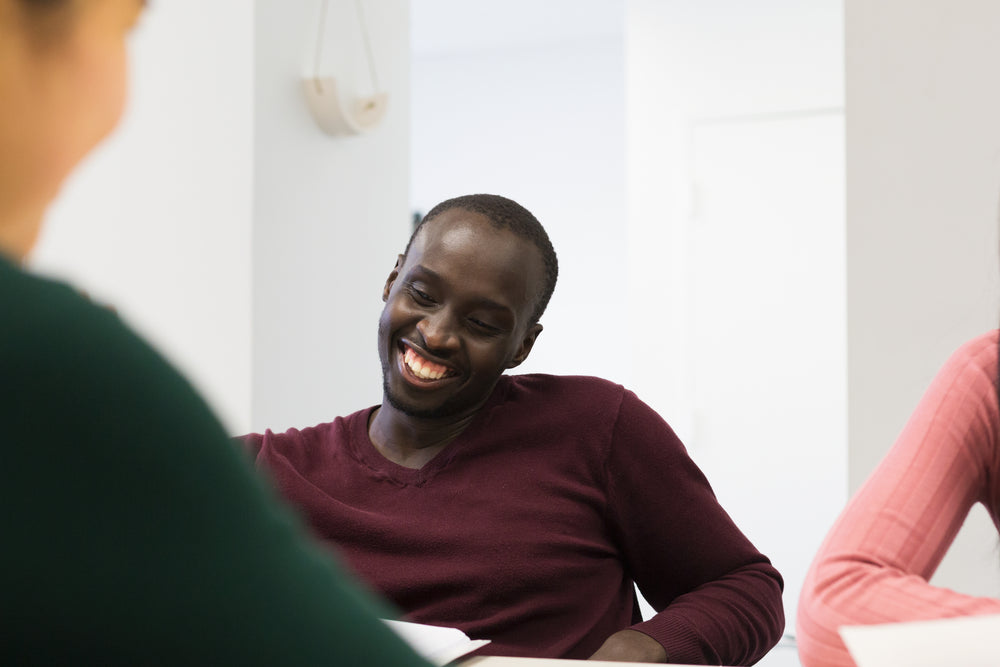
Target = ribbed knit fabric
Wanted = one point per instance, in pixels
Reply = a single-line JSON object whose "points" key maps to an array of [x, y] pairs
{"points": [[875, 564], [530, 528]]}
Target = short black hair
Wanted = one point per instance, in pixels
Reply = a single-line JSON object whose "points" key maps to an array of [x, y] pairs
{"points": [[505, 214]]}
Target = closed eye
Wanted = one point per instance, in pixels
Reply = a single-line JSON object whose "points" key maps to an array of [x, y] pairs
{"points": [[484, 327], [421, 297]]}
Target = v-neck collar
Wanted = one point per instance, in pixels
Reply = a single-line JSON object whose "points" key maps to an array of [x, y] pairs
{"points": [[369, 455]]}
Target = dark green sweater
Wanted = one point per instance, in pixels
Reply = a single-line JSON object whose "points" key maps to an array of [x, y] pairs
{"points": [[132, 531]]}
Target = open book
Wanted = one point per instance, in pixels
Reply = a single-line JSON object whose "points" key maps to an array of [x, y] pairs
{"points": [[436, 644]]}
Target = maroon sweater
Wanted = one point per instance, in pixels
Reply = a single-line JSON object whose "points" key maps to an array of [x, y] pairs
{"points": [[530, 527]]}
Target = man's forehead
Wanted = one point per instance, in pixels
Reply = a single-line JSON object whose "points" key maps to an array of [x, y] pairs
{"points": [[454, 221], [475, 238], [458, 233]]}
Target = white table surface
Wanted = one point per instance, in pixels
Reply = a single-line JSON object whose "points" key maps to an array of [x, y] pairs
{"points": [[497, 661]]}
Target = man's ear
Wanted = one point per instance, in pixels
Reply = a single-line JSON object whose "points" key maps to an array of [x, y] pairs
{"points": [[526, 344], [392, 277]]}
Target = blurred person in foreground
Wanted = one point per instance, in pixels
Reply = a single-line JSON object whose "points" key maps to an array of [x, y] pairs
{"points": [[133, 533]]}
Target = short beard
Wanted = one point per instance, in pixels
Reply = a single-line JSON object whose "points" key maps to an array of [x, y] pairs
{"points": [[446, 409]]}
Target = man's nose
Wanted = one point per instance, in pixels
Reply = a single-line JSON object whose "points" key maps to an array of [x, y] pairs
{"points": [[438, 331]]}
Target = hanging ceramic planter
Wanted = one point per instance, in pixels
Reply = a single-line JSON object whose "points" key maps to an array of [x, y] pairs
{"points": [[334, 110]]}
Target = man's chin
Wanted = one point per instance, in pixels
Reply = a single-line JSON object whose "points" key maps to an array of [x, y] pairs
{"points": [[417, 411]]}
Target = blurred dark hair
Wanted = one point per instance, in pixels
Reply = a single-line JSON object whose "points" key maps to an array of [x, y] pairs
{"points": [[48, 19]]}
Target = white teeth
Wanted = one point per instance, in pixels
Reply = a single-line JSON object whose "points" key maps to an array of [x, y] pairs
{"points": [[427, 374], [417, 366]]}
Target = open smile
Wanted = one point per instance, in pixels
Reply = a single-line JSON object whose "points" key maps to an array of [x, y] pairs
{"points": [[421, 370]]}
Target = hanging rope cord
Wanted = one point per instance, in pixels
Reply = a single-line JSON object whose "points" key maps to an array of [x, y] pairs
{"points": [[365, 37]]}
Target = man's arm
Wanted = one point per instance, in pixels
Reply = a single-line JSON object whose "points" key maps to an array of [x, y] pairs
{"points": [[718, 599]]}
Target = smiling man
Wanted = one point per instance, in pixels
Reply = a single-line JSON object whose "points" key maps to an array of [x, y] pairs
{"points": [[520, 508]]}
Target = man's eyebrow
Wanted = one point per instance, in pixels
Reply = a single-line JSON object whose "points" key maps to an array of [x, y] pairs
{"points": [[490, 304], [420, 268]]}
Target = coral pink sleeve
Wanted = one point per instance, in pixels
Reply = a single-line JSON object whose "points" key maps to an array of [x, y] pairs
{"points": [[875, 563]]}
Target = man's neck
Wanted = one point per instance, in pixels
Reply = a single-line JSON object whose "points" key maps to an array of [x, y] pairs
{"points": [[412, 441]]}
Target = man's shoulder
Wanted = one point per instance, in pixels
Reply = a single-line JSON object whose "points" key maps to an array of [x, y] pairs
{"points": [[578, 399], [333, 432], [564, 394], [562, 384]]}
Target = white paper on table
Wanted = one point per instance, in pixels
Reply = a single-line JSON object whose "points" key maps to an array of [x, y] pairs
{"points": [[969, 641], [436, 644]]}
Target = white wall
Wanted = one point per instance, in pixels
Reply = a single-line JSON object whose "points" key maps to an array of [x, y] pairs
{"points": [[157, 221], [923, 177], [329, 213], [224, 226], [737, 266], [535, 111]]}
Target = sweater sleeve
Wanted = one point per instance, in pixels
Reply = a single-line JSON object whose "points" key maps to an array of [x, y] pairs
{"points": [[718, 599], [134, 533], [875, 563]]}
